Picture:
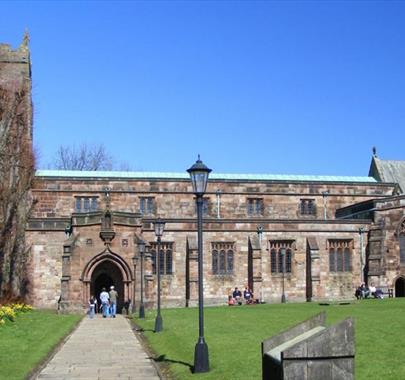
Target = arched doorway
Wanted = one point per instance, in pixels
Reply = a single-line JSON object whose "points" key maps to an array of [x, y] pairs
{"points": [[106, 269], [104, 275], [400, 287]]}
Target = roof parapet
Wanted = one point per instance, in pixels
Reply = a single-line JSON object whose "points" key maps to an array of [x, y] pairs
{"points": [[19, 55]]}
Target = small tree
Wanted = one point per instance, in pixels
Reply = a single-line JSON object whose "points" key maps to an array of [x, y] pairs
{"points": [[84, 157]]}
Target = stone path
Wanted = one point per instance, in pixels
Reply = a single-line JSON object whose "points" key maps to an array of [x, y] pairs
{"points": [[101, 349]]}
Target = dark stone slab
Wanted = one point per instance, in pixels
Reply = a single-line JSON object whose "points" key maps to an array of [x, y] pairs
{"points": [[310, 351]]}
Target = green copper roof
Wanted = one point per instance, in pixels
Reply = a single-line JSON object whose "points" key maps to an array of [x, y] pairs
{"points": [[218, 176]]}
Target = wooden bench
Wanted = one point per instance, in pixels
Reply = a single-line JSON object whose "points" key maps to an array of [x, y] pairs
{"points": [[310, 350], [387, 291]]}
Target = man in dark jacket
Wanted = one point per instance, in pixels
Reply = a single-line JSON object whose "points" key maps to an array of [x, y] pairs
{"points": [[237, 296]]}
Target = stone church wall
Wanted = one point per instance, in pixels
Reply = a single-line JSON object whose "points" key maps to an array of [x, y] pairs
{"points": [[280, 220], [384, 246]]}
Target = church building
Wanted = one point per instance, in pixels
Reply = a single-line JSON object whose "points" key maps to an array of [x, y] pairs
{"points": [[315, 237]]}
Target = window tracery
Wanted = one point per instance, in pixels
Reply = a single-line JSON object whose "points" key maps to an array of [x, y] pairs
{"points": [[222, 258], [165, 257], [277, 248], [340, 255]]}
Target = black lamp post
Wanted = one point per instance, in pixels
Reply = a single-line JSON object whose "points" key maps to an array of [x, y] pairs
{"points": [[159, 226], [282, 251], [199, 178], [141, 245]]}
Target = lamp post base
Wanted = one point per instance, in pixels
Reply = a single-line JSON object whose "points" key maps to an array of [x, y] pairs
{"points": [[141, 311], [201, 360], [158, 324], [283, 300]]}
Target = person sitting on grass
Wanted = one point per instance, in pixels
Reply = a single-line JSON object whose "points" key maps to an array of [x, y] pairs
{"points": [[248, 296], [362, 291], [372, 289], [231, 301], [237, 296], [366, 291], [358, 293], [379, 294]]}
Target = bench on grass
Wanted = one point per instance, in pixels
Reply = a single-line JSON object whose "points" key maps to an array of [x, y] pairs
{"points": [[386, 291], [310, 350]]}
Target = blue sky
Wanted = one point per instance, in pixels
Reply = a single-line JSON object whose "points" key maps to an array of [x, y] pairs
{"points": [[254, 87]]}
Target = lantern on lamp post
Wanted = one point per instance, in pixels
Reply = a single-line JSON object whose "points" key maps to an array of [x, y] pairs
{"points": [[199, 177], [159, 226], [283, 253], [141, 246]]}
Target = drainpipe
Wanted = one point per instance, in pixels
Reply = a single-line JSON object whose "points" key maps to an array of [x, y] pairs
{"points": [[218, 193], [362, 258], [325, 195]]}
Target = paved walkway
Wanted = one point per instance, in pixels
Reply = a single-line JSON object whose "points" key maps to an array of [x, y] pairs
{"points": [[102, 349]]}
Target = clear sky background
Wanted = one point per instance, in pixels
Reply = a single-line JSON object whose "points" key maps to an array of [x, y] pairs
{"points": [[254, 87]]}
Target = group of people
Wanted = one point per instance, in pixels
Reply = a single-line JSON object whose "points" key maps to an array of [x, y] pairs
{"points": [[108, 303], [236, 297], [364, 291]]}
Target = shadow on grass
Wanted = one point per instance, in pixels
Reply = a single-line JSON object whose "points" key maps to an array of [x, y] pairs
{"points": [[163, 359], [143, 330]]}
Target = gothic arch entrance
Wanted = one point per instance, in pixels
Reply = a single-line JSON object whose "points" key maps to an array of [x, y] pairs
{"points": [[104, 270], [400, 287], [104, 275]]}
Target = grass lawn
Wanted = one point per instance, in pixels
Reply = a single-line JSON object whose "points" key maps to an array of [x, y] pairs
{"points": [[27, 341], [234, 334]]}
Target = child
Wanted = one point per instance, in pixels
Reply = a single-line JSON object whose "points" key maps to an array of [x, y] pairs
{"points": [[231, 301], [92, 307]]}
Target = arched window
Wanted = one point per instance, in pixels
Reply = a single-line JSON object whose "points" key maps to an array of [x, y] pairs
{"points": [[347, 260], [288, 261], [169, 262], [340, 255], [339, 260], [222, 258], [280, 262], [273, 260], [165, 257], [214, 261], [332, 265], [229, 261], [276, 256], [222, 261]]}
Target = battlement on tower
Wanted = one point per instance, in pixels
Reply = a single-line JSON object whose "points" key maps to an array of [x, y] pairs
{"points": [[15, 66], [19, 55]]}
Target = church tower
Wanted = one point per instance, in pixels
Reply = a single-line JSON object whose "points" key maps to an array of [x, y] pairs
{"points": [[16, 165], [15, 82]]}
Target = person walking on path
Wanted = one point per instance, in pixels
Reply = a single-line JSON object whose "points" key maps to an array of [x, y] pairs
{"points": [[104, 298], [113, 301], [92, 307]]}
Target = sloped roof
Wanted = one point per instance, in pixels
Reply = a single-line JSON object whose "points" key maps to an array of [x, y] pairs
{"points": [[214, 176], [388, 171]]}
